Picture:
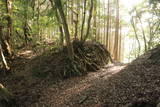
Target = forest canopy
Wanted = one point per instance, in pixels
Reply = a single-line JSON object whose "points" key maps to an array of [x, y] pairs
{"points": [[108, 22]]}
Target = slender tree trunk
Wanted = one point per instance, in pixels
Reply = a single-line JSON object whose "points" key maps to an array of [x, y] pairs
{"points": [[144, 37], [61, 43], [136, 36], [58, 5], [78, 18], [152, 33], [4, 59], [84, 18], [72, 18], [59, 22], [26, 26], [89, 21], [2, 42], [9, 51], [104, 27], [108, 15], [9, 19], [116, 31], [38, 10], [95, 20], [76, 27], [120, 44], [110, 43], [99, 23], [72, 14]]}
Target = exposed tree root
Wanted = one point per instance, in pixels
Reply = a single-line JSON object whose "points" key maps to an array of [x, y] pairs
{"points": [[89, 56]]}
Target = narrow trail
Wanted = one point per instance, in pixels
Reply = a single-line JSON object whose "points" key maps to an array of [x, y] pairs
{"points": [[49, 92], [80, 91]]}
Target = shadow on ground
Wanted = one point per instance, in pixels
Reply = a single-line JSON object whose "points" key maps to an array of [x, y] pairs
{"points": [[112, 86]]}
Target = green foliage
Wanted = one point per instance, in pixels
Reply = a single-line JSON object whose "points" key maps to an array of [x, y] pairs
{"points": [[149, 16], [27, 11], [154, 1]]}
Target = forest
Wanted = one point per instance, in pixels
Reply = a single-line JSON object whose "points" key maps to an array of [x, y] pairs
{"points": [[79, 53]]}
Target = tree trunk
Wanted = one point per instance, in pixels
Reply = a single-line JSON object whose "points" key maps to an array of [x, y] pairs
{"points": [[76, 27], [6, 67], [110, 43], [89, 21], [135, 31], [4, 48], [116, 31], [104, 27], [9, 52], [58, 5], [26, 28], [108, 15], [95, 20], [144, 37], [84, 18], [153, 30], [38, 10], [59, 22], [78, 18], [120, 44]]}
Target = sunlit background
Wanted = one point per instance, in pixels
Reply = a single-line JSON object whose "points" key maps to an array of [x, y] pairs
{"points": [[129, 44], [128, 5]]}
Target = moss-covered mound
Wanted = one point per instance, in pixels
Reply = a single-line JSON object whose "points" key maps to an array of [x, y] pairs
{"points": [[89, 56]]}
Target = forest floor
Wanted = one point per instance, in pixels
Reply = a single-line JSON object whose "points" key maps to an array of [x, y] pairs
{"points": [[114, 85]]}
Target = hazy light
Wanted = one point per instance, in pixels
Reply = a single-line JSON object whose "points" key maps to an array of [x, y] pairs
{"points": [[129, 4], [129, 44]]}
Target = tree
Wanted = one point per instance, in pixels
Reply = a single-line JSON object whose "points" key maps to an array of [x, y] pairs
{"points": [[116, 31], [89, 21], [9, 51], [59, 22], [136, 35], [38, 16], [5, 64], [95, 20], [144, 36], [58, 5], [84, 18], [108, 19]]}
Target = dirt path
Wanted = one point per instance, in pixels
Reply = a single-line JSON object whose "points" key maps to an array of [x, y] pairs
{"points": [[32, 91], [79, 91]]}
